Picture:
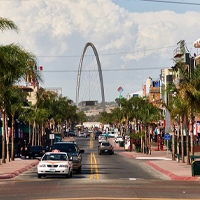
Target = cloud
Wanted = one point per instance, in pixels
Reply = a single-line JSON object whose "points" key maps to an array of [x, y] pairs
{"points": [[60, 29]]}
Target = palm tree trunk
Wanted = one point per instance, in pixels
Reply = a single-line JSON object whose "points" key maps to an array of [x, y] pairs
{"points": [[173, 143], [149, 139], [33, 136], [191, 132], [38, 134], [187, 141], [182, 141], [145, 130], [3, 138], [43, 132], [13, 140], [7, 138], [29, 124], [178, 138]]}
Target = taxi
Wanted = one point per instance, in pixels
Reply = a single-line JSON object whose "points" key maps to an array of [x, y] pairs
{"points": [[55, 163]]}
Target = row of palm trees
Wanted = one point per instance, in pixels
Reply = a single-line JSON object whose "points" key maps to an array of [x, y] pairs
{"points": [[183, 105], [137, 110], [14, 65], [17, 64]]}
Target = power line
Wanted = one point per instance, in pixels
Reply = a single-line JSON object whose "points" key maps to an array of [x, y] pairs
{"points": [[174, 2], [116, 53], [107, 70]]}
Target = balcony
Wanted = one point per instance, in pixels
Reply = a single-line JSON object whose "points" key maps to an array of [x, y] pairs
{"points": [[178, 52]]}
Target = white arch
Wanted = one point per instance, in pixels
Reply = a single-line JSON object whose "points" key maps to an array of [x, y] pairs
{"points": [[100, 74]]}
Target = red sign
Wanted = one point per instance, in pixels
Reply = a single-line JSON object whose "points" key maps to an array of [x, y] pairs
{"points": [[41, 68], [119, 88]]}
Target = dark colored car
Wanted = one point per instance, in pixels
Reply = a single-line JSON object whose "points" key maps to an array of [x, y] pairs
{"points": [[105, 147], [72, 149], [97, 134], [36, 151], [72, 133]]}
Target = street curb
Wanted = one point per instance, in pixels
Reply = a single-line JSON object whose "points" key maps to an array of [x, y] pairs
{"points": [[169, 174], [125, 154], [18, 172]]}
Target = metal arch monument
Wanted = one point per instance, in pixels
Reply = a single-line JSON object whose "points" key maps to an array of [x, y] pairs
{"points": [[100, 73]]}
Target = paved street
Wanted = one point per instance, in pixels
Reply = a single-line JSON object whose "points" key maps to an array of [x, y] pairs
{"points": [[103, 176]]}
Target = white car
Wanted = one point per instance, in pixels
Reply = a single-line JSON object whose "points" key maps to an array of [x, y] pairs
{"points": [[119, 139], [102, 138], [55, 163], [82, 134]]}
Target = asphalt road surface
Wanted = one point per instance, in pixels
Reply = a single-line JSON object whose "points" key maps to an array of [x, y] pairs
{"points": [[103, 177]]}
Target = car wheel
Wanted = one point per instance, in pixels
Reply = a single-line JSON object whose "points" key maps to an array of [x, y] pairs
{"points": [[29, 157], [39, 176]]}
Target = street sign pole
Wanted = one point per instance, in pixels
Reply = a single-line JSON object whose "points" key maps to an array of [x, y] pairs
{"points": [[167, 147]]}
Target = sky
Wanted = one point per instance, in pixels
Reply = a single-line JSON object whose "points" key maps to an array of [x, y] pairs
{"points": [[134, 39]]}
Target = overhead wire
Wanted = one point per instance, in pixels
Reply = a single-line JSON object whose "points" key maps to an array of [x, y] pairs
{"points": [[174, 2], [115, 53]]}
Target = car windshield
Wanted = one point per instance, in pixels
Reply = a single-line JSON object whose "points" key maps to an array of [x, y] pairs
{"points": [[69, 148], [36, 148], [106, 144], [53, 156]]}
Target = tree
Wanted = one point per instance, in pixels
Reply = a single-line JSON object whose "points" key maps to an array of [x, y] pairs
{"points": [[14, 65], [14, 105]]}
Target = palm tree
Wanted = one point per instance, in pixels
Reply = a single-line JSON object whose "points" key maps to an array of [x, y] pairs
{"points": [[150, 113], [15, 104], [189, 90], [14, 65]]}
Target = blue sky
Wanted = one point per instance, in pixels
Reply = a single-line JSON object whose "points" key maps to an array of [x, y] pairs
{"points": [[145, 6], [134, 39]]}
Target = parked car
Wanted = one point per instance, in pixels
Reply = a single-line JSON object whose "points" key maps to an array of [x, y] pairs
{"points": [[97, 133], [36, 151], [72, 149], [119, 138], [71, 133], [105, 147], [54, 163]]}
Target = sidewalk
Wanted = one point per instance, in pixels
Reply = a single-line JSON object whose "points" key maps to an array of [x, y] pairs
{"points": [[16, 167], [159, 160], [19, 165], [162, 162]]}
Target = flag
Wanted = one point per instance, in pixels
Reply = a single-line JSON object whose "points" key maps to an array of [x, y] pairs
{"points": [[158, 130], [19, 135], [9, 132], [195, 129], [151, 131], [41, 68], [185, 129], [119, 88]]}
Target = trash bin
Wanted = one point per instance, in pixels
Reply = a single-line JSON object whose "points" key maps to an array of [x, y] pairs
{"points": [[195, 168], [121, 144]]}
